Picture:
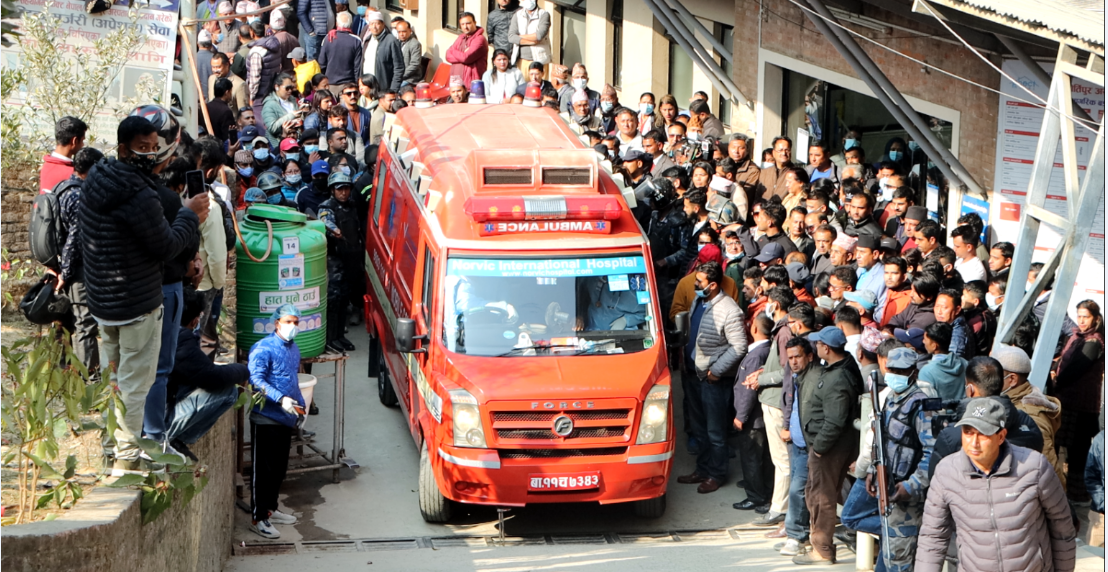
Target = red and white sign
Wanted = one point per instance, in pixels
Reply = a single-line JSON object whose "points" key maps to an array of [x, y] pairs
{"points": [[546, 226], [565, 482]]}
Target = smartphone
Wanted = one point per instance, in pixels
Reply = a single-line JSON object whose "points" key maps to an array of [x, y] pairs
{"points": [[194, 183]]}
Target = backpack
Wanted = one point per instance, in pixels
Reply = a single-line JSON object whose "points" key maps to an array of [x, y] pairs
{"points": [[46, 232]]}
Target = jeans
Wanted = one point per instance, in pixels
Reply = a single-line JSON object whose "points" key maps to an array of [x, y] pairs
{"points": [[85, 330], [711, 413], [311, 47], [154, 418], [797, 517], [207, 324], [131, 351], [860, 510], [197, 411]]}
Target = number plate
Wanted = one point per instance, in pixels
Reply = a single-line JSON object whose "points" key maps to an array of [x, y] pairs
{"points": [[564, 482]]}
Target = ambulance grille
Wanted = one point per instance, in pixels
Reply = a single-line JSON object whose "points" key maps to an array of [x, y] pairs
{"points": [[560, 453], [548, 416], [501, 176], [567, 176], [547, 434]]}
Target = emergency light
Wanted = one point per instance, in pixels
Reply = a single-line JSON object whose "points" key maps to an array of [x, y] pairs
{"points": [[532, 97], [477, 92], [423, 98], [544, 207]]}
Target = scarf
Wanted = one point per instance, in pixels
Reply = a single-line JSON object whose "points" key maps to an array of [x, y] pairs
{"points": [[334, 33]]}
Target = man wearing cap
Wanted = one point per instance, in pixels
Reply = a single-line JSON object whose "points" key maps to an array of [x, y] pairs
{"points": [[382, 55], [771, 255], [244, 165], [1045, 410], [907, 427], [864, 302], [906, 235], [716, 346], [308, 200], [798, 279], [636, 168], [1007, 505], [724, 212], [468, 56], [302, 67], [458, 91], [827, 413], [842, 251], [344, 254], [287, 41]]}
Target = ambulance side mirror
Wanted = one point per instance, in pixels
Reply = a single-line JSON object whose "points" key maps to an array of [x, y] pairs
{"points": [[681, 320], [406, 337]]}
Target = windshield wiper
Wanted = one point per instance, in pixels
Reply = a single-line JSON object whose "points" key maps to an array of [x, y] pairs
{"points": [[535, 347]]}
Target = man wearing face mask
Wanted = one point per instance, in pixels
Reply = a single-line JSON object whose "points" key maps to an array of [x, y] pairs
{"points": [[529, 34], [609, 105], [129, 237], [579, 81], [309, 199], [344, 253], [263, 159]]}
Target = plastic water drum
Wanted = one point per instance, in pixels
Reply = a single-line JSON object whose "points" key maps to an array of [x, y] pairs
{"points": [[286, 264]]}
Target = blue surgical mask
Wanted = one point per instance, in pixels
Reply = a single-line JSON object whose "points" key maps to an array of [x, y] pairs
{"points": [[605, 106], [219, 37], [913, 146], [246, 171], [701, 292], [850, 144], [898, 383], [309, 149], [344, 170], [274, 199], [292, 156], [292, 179], [735, 256], [252, 19], [261, 154], [895, 155], [361, 10], [646, 108]]}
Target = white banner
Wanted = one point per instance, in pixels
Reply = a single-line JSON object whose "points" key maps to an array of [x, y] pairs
{"points": [[1018, 127]]}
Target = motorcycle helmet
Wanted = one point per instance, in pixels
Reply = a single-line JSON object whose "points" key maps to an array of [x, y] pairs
{"points": [[169, 130]]}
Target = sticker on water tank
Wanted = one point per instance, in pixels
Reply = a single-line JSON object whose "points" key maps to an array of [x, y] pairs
{"points": [[303, 299], [290, 271], [290, 245], [307, 324]]}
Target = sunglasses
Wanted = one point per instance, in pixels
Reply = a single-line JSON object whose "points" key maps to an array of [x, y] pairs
{"points": [[350, 93]]}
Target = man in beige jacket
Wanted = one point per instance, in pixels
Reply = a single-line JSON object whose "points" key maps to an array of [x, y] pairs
{"points": [[1045, 410]]}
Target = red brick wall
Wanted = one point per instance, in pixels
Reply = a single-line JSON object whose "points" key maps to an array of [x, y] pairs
{"points": [[977, 142]]}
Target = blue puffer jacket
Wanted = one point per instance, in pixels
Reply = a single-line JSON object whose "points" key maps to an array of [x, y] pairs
{"points": [[273, 366], [313, 15]]}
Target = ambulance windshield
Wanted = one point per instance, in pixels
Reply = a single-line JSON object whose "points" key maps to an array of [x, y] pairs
{"points": [[548, 306]]}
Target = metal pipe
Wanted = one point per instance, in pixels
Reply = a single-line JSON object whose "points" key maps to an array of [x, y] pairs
{"points": [[897, 98], [893, 108], [668, 24], [678, 29], [686, 16], [1037, 70]]}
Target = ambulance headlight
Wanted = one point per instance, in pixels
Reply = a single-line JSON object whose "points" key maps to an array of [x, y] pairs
{"points": [[655, 414], [468, 431]]}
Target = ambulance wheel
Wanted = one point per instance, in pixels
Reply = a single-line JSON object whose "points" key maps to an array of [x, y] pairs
{"points": [[385, 390], [650, 508], [374, 357], [432, 505]]}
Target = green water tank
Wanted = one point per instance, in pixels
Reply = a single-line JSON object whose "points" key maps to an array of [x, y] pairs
{"points": [[294, 272]]}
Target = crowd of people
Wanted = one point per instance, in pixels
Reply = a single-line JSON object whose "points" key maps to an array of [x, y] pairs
{"points": [[804, 287]]}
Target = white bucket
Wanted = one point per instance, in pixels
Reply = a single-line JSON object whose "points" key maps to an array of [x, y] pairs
{"points": [[307, 388]]}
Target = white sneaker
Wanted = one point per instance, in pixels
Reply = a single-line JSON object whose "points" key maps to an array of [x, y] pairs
{"points": [[278, 517], [126, 467], [791, 548], [265, 530]]}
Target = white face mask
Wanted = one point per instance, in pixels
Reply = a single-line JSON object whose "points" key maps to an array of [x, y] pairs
{"points": [[580, 83], [731, 256], [287, 331], [991, 301], [530, 5], [770, 310], [767, 164]]}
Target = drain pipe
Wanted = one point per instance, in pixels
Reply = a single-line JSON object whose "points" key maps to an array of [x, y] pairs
{"points": [[724, 51], [879, 83], [722, 84]]}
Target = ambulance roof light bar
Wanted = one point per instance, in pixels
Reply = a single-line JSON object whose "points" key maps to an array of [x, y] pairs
{"points": [[548, 207]]}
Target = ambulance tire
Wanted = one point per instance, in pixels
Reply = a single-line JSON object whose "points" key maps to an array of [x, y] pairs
{"points": [[650, 508], [374, 357], [433, 506], [385, 391]]}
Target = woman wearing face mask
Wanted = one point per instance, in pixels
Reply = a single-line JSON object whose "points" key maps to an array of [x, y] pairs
{"points": [[501, 81], [649, 117], [322, 102], [279, 110], [244, 169], [293, 182], [1076, 382], [896, 151], [274, 362]]}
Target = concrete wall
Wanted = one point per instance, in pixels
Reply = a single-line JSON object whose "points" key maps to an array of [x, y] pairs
{"points": [[104, 532]]}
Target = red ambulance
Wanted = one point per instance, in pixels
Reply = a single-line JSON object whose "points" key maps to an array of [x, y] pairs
{"points": [[511, 303]]}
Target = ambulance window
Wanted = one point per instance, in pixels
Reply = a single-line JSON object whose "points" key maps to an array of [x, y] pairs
{"points": [[428, 278], [408, 236], [379, 192]]}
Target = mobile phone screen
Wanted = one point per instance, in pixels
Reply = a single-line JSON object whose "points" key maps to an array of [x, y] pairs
{"points": [[194, 183]]}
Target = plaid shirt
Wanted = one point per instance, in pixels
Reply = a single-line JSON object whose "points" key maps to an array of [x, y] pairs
{"points": [[254, 72]]}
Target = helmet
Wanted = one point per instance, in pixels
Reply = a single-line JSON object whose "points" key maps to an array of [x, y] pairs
{"points": [[338, 178], [269, 180], [254, 195], [169, 130]]}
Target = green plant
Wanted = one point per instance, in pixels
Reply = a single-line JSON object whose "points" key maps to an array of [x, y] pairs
{"points": [[15, 269], [47, 397]]}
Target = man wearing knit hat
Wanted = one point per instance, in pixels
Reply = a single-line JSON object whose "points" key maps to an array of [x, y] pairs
{"points": [[609, 104], [906, 235], [842, 250], [382, 54], [458, 91], [1046, 411]]}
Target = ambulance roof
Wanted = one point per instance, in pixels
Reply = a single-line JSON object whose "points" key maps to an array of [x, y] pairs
{"points": [[458, 145]]}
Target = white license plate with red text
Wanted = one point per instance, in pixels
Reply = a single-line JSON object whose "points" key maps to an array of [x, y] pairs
{"points": [[564, 482]]}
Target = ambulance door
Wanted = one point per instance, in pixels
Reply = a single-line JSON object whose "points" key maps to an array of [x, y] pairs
{"points": [[423, 312]]}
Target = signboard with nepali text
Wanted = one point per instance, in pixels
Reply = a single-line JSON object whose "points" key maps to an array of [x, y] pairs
{"points": [[78, 32]]}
